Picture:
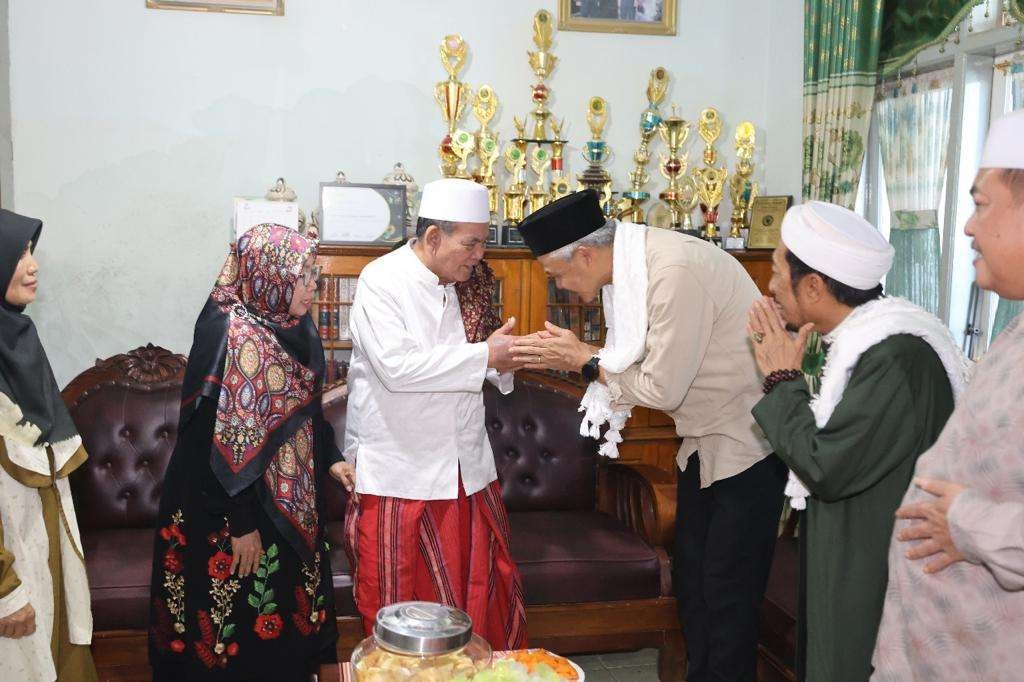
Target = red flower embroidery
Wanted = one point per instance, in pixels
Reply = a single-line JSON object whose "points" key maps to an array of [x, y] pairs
{"points": [[233, 649], [172, 531], [213, 539], [219, 566], [172, 561], [268, 626], [177, 646]]}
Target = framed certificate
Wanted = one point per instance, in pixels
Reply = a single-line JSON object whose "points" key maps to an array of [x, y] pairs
{"points": [[766, 215], [354, 213]]}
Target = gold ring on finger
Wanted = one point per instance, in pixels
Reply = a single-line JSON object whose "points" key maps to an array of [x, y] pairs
{"points": [[758, 337]]}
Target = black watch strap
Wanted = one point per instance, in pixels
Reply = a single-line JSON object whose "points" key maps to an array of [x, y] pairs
{"points": [[590, 370]]}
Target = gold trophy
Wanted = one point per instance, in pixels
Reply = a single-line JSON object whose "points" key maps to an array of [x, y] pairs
{"points": [[515, 162], [540, 160], [674, 132], [559, 181], [462, 145], [487, 149], [630, 207], [597, 152], [742, 190], [710, 180], [451, 95], [543, 63]]}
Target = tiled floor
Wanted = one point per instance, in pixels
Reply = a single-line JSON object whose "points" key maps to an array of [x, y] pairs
{"points": [[638, 666]]}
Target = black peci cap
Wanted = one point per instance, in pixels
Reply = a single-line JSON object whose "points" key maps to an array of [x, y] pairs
{"points": [[562, 222]]}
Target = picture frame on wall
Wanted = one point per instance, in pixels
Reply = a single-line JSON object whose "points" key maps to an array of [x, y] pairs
{"points": [[272, 7], [766, 214], [362, 214], [644, 17]]}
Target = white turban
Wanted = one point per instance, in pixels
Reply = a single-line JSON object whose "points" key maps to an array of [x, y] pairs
{"points": [[454, 200], [1004, 147], [837, 242]]}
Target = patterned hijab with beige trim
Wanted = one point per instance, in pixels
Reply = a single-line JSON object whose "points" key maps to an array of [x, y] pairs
{"points": [[32, 414]]}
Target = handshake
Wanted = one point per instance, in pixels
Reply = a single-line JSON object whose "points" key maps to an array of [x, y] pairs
{"points": [[551, 348]]}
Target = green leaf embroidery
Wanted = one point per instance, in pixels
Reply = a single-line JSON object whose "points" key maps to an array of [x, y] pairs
{"points": [[261, 572], [229, 630], [254, 601], [269, 608], [272, 551], [274, 566]]}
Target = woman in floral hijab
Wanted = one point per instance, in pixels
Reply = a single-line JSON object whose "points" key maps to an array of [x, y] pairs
{"points": [[241, 586]]}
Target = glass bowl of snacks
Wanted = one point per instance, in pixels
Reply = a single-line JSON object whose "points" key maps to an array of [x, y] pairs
{"points": [[420, 642]]}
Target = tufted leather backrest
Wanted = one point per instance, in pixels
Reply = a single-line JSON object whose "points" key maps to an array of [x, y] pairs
{"points": [[126, 409], [543, 462]]}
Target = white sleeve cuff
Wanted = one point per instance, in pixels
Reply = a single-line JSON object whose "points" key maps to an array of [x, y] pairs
{"points": [[505, 383], [14, 601]]}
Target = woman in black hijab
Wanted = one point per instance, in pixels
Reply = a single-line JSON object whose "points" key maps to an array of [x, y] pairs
{"points": [[45, 618]]}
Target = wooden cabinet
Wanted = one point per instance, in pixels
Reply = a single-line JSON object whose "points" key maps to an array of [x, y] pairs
{"points": [[526, 293]]}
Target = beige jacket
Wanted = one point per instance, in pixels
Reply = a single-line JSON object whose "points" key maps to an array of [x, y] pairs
{"points": [[698, 365]]}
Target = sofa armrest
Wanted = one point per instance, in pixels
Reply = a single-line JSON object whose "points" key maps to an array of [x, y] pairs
{"points": [[641, 496]]}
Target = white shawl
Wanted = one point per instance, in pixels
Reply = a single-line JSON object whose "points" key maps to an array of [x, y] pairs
{"points": [[625, 315], [867, 326]]}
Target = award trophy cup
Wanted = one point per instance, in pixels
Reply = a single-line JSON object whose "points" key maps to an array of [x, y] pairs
{"points": [[451, 95], [487, 149], [742, 190], [515, 194], [674, 131], [540, 160], [462, 145], [560, 186], [630, 207], [710, 180], [543, 63], [597, 152]]}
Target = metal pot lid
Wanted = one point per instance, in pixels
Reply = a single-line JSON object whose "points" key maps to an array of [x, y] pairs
{"points": [[420, 627]]}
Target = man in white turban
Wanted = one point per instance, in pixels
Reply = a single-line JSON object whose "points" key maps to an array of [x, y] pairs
{"points": [[427, 522], [887, 387], [955, 605]]}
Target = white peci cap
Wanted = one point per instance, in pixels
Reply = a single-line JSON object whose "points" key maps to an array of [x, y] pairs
{"points": [[454, 200]]}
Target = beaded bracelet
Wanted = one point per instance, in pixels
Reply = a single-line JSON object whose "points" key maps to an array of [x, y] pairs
{"points": [[779, 376]]}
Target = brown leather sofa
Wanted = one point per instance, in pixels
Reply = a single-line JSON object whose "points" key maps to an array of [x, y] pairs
{"points": [[589, 536]]}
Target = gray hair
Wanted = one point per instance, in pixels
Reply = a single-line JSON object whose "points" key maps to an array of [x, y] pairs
{"points": [[603, 236], [446, 226]]}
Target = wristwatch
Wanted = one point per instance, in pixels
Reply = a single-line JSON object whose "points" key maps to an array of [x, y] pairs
{"points": [[590, 371]]}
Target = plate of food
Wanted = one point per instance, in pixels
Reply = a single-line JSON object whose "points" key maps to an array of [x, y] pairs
{"points": [[530, 665]]}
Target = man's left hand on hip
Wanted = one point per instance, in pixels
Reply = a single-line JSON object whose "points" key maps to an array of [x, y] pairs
{"points": [[931, 529]]}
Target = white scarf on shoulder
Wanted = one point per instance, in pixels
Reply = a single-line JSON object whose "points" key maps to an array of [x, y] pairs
{"points": [[625, 315], [867, 326]]}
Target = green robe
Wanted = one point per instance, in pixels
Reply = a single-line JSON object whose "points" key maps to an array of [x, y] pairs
{"points": [[857, 468]]}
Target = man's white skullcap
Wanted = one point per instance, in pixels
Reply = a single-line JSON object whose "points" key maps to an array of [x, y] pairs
{"points": [[454, 200], [837, 242], [1004, 147]]}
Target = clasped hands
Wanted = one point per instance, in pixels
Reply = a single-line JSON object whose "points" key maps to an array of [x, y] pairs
{"points": [[550, 348]]}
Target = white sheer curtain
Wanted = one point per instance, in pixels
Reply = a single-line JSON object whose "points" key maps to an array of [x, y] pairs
{"points": [[913, 127], [1007, 310]]}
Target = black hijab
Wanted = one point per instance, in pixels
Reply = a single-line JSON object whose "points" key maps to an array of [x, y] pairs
{"points": [[25, 374]]}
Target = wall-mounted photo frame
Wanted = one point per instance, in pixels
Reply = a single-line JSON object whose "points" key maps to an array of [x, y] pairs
{"points": [[273, 7], [644, 17], [766, 214], [357, 213]]}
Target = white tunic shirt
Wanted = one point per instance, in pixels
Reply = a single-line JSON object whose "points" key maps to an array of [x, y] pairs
{"points": [[415, 417]]}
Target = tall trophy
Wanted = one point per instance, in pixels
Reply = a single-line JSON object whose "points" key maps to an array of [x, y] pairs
{"points": [[451, 95], [630, 207], [674, 131], [484, 106], [742, 190], [543, 63], [515, 193], [540, 161], [597, 152], [560, 185], [710, 180]]}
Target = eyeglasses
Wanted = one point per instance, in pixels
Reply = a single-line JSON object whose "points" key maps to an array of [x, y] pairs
{"points": [[311, 276]]}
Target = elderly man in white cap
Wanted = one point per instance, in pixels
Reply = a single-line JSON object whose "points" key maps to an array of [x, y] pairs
{"points": [[887, 388], [427, 521], [954, 609]]}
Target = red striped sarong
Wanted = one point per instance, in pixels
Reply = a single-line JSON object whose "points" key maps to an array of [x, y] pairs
{"points": [[455, 552]]}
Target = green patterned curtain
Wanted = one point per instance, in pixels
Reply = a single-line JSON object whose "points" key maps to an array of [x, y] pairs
{"points": [[913, 129], [911, 26], [841, 46], [1007, 310]]}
